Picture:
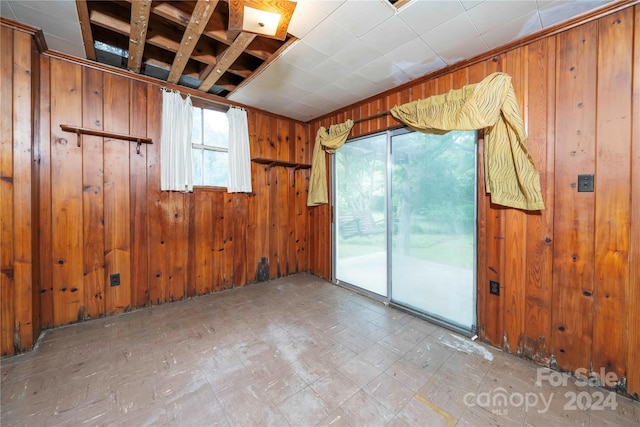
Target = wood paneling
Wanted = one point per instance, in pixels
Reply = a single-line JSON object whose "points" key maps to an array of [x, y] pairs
{"points": [[568, 274], [66, 194], [155, 244], [573, 265], [138, 196], [93, 195], [101, 208], [6, 192], [23, 143], [633, 313], [117, 214], [44, 196], [164, 245], [540, 112], [19, 252], [613, 191], [515, 227]]}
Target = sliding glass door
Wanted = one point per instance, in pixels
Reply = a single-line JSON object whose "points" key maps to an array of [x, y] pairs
{"points": [[405, 221], [433, 181], [360, 169]]}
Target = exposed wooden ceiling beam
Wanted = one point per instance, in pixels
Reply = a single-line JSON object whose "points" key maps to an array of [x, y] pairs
{"points": [[261, 48], [199, 18], [158, 35], [139, 23], [85, 27], [243, 74], [116, 25], [226, 59], [110, 22], [158, 62], [400, 3], [216, 28]]}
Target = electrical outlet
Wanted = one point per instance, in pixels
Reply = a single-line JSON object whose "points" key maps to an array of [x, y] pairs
{"points": [[494, 287], [114, 279]]}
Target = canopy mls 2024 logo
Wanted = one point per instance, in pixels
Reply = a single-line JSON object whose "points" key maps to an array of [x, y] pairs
{"points": [[553, 386]]}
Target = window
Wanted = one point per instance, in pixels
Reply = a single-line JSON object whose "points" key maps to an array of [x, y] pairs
{"points": [[210, 145]]}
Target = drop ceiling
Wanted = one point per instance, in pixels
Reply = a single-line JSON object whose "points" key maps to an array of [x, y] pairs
{"points": [[336, 52]]}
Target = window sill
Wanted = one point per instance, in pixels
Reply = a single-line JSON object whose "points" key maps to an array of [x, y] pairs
{"points": [[210, 188]]}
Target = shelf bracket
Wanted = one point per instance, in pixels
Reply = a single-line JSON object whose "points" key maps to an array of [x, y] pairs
{"points": [[79, 135], [84, 131]]}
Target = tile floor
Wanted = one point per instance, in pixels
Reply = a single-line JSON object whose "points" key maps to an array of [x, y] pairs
{"points": [[297, 351]]}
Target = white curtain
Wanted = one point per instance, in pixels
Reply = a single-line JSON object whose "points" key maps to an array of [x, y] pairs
{"points": [[176, 171], [239, 158]]}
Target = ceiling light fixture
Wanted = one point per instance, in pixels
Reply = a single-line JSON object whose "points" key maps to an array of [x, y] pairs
{"points": [[265, 18]]}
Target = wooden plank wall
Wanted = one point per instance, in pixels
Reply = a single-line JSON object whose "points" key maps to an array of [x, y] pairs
{"points": [[19, 274], [570, 274], [101, 208], [110, 217]]}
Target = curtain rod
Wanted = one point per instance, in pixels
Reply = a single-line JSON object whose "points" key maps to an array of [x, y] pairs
{"points": [[375, 116]]}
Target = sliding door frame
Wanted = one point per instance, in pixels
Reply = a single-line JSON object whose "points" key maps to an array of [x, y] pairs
{"points": [[334, 236], [388, 300]]}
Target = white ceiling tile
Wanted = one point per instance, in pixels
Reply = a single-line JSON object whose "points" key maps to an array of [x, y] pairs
{"points": [[66, 46], [388, 35], [390, 83], [318, 100], [302, 112], [369, 91], [327, 6], [464, 50], [274, 102], [469, 4], [382, 69], [61, 9], [415, 58], [350, 49], [513, 30], [422, 16], [274, 78], [328, 37], [356, 54], [491, 14], [412, 52], [440, 40], [422, 68], [303, 56], [355, 83], [6, 11], [340, 95], [282, 70], [305, 18], [242, 96], [293, 92], [329, 70], [554, 12], [264, 84], [308, 83], [361, 16], [61, 28]]}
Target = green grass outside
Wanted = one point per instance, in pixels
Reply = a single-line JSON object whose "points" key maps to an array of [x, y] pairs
{"points": [[449, 249]]}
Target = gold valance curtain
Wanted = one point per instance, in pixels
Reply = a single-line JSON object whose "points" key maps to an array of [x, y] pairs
{"points": [[330, 140], [510, 173]]}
